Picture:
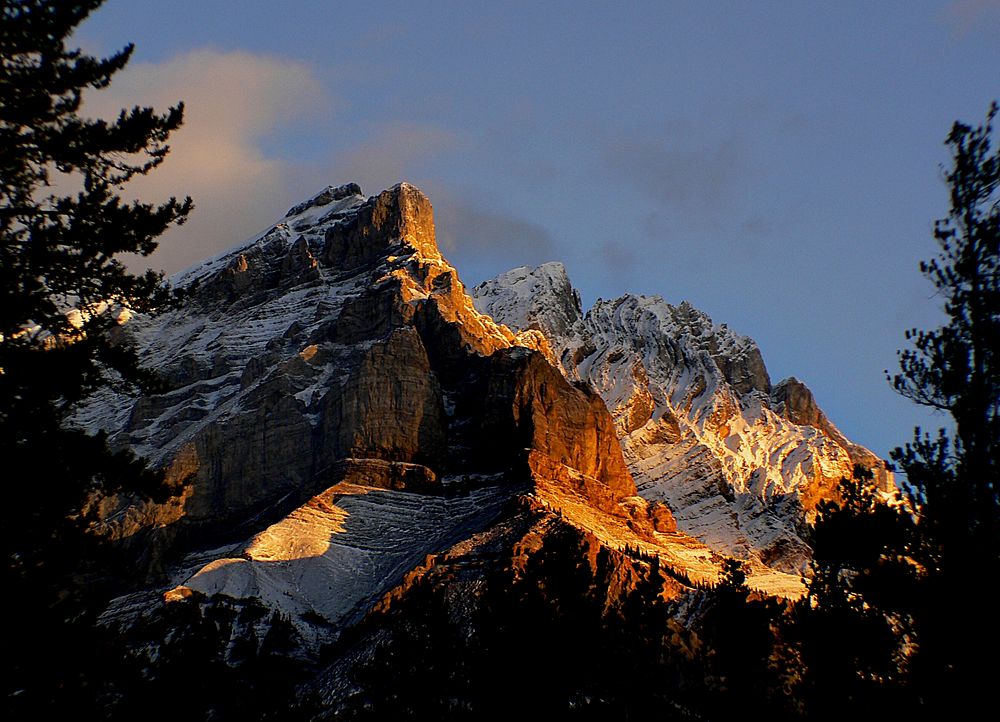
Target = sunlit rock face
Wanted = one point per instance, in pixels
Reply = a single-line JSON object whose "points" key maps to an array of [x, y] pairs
{"points": [[340, 333], [740, 462]]}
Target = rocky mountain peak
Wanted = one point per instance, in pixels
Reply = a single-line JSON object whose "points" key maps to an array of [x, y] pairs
{"points": [[340, 412], [539, 298], [337, 231], [795, 401], [337, 356], [396, 218], [346, 429], [740, 463]]}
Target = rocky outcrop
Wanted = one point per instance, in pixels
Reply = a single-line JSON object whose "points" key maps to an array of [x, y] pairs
{"points": [[530, 403], [792, 399], [540, 298], [378, 225]]}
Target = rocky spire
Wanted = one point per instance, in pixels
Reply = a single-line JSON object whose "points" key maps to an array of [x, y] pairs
{"points": [[398, 217]]}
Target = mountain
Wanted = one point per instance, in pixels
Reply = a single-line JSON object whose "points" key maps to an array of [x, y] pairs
{"points": [[741, 462], [348, 432]]}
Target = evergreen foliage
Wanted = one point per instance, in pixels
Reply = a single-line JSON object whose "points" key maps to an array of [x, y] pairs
{"points": [[737, 630], [569, 632], [847, 639], [952, 477], [64, 228], [204, 658], [895, 620]]}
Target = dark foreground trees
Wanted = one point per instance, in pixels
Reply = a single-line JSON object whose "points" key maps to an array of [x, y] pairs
{"points": [[63, 287], [953, 476], [900, 615]]}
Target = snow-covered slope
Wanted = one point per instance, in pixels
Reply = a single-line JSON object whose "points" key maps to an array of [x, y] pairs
{"points": [[739, 462], [334, 557]]}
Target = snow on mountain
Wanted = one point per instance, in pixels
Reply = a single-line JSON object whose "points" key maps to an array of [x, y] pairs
{"points": [[337, 555], [739, 462]]}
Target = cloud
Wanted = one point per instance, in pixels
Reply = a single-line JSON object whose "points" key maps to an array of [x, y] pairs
{"points": [[482, 243], [234, 102], [967, 15], [242, 113], [395, 152], [691, 176]]}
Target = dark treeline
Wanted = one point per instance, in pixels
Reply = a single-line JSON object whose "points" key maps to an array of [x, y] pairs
{"points": [[61, 249], [563, 638]]}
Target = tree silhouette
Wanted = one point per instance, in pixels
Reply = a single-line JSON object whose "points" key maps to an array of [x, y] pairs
{"points": [[850, 632], [63, 289], [896, 620], [953, 476]]}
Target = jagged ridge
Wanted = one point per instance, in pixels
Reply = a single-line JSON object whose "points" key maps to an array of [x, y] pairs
{"points": [[739, 461]]}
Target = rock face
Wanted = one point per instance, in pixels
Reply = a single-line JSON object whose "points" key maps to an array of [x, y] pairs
{"points": [[740, 462], [339, 334]]}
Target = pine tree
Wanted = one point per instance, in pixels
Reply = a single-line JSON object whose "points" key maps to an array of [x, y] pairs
{"points": [[849, 635], [956, 368], [736, 629], [63, 287], [62, 251], [953, 477], [896, 620]]}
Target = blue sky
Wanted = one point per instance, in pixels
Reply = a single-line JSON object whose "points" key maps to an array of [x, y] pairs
{"points": [[774, 163]]}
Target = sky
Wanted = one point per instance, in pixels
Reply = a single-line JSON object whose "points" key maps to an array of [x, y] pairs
{"points": [[776, 164]]}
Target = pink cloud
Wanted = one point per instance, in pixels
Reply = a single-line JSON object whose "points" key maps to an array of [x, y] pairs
{"points": [[233, 100]]}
